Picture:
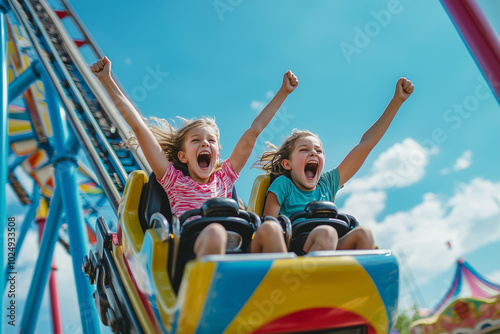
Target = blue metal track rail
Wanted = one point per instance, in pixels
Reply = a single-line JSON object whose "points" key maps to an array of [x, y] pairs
{"points": [[94, 119]]}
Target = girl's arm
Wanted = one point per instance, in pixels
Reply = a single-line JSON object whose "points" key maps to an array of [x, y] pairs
{"points": [[148, 143], [355, 159], [272, 206], [245, 145]]}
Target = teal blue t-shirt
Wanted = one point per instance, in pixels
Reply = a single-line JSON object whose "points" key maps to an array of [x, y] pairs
{"points": [[292, 199]]}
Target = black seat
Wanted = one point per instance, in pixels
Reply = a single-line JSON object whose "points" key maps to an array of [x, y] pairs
{"points": [[238, 223], [153, 200], [315, 214]]}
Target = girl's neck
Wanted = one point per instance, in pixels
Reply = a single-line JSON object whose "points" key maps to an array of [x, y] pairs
{"points": [[197, 179]]}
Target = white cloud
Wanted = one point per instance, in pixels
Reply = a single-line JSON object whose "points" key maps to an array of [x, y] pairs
{"points": [[494, 277], [400, 166], [468, 218], [464, 161], [257, 105], [445, 171], [365, 206]]}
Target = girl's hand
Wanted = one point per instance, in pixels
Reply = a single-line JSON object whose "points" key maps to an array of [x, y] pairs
{"points": [[101, 68], [290, 82], [404, 88]]}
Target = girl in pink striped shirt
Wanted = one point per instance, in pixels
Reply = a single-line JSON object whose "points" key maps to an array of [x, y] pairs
{"points": [[187, 159]]}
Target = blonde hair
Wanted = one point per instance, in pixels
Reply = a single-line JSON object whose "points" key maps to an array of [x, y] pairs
{"points": [[172, 139], [270, 161]]}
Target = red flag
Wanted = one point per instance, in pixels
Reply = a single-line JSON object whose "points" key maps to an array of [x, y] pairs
{"points": [[80, 43], [61, 13]]}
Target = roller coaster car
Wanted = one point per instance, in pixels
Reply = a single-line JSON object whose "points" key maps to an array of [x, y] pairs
{"points": [[301, 223], [147, 279]]}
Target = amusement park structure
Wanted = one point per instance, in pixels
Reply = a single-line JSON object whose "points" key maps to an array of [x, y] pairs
{"points": [[56, 120], [471, 305], [42, 64]]}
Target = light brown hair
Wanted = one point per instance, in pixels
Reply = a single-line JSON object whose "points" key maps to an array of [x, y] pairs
{"points": [[270, 161], [172, 140]]}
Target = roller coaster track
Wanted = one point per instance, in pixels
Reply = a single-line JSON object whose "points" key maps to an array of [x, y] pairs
{"points": [[93, 118]]}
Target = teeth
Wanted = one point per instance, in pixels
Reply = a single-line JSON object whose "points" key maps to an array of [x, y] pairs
{"points": [[312, 162], [202, 153]]}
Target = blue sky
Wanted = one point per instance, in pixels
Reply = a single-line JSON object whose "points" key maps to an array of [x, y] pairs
{"points": [[433, 177]]}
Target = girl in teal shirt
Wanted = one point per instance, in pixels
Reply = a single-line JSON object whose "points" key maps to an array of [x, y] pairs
{"points": [[299, 163]]}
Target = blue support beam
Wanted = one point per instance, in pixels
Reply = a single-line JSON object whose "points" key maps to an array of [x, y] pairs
{"points": [[22, 82], [28, 219], [4, 142], [43, 265], [47, 246], [67, 191], [65, 165], [9, 93], [17, 162], [21, 137]]}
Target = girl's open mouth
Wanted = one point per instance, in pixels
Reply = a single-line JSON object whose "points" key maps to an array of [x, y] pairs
{"points": [[204, 159], [310, 169]]}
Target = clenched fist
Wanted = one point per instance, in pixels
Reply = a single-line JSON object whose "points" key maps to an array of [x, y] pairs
{"points": [[404, 88], [290, 82], [101, 68]]}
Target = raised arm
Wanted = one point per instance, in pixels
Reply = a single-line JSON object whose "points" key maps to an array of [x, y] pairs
{"points": [[150, 147], [245, 145], [355, 159]]}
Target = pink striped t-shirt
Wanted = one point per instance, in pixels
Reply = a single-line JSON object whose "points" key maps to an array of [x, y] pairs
{"points": [[186, 194]]}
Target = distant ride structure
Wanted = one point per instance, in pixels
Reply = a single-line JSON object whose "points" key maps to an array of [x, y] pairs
{"points": [[471, 305]]}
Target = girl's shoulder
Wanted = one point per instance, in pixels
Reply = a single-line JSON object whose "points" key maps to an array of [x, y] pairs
{"points": [[172, 176], [280, 178], [332, 174], [225, 171], [280, 182]]}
